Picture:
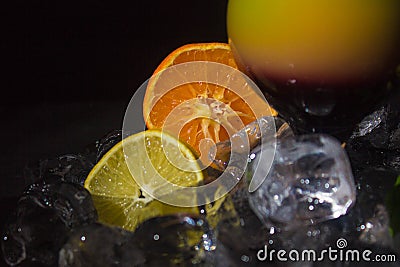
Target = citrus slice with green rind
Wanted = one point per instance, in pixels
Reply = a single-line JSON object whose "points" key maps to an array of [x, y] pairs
{"points": [[118, 197]]}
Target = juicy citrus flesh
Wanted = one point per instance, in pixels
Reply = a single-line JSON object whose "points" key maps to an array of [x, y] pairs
{"points": [[117, 196], [199, 128]]}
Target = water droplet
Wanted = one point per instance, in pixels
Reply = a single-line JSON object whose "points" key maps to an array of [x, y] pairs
{"points": [[245, 258]]}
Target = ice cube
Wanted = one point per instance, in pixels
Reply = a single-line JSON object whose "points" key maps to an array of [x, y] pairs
{"points": [[100, 245], [231, 156], [376, 141], [381, 129], [45, 214], [264, 129], [371, 122], [107, 142], [180, 239], [379, 148], [310, 181], [68, 168], [365, 225], [376, 228], [240, 232], [72, 203]]}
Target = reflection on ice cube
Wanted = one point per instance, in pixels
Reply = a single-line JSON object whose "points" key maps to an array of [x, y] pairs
{"points": [[376, 140], [381, 128], [310, 181], [173, 240], [176, 240], [100, 245], [43, 219]]}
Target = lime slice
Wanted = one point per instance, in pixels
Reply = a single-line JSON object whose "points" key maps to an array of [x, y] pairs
{"points": [[116, 194]]}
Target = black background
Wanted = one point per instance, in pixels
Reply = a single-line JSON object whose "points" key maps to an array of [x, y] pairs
{"points": [[69, 70]]}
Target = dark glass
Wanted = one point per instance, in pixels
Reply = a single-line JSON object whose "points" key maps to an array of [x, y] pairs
{"points": [[333, 109]]}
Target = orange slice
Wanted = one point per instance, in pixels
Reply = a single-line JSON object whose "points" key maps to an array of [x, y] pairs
{"points": [[157, 109]]}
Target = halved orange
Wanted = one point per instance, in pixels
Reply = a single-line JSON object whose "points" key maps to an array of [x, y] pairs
{"points": [[156, 109]]}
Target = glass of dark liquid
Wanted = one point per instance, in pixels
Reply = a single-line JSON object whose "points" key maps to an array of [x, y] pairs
{"points": [[323, 65]]}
